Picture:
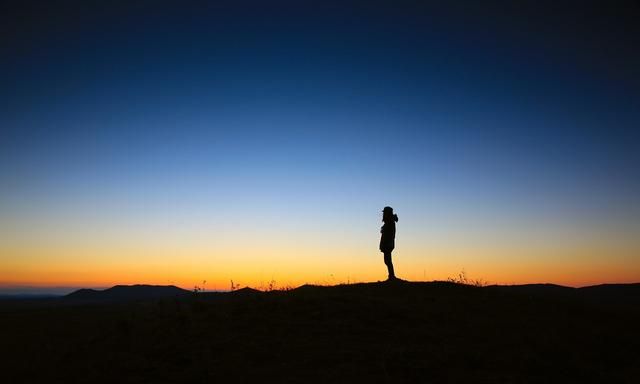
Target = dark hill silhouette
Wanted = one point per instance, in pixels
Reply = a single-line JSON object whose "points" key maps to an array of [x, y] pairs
{"points": [[539, 290], [128, 292], [245, 291], [604, 294], [612, 294], [397, 332]]}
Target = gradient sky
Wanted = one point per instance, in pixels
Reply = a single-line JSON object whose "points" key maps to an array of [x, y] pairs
{"points": [[154, 142]]}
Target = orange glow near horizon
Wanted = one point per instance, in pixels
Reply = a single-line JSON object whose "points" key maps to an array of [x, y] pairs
{"points": [[291, 266], [102, 252]]}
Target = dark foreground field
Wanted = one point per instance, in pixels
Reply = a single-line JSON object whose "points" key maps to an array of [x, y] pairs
{"points": [[379, 332]]}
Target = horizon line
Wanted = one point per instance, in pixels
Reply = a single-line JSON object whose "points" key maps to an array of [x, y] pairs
{"points": [[61, 290]]}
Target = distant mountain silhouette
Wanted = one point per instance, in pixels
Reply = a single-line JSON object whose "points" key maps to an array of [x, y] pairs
{"points": [[534, 289], [612, 294], [245, 291], [128, 292], [604, 294]]}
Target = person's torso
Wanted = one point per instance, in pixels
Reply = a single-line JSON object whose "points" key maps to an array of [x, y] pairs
{"points": [[388, 231]]}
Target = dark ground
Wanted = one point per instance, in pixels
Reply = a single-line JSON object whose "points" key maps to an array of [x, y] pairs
{"points": [[378, 332]]}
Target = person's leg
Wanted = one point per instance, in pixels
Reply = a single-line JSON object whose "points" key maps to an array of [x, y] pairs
{"points": [[389, 264]]}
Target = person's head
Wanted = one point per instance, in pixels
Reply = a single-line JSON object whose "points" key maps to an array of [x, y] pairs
{"points": [[388, 216]]}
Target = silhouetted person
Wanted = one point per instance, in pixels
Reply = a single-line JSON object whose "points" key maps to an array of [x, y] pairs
{"points": [[388, 237]]}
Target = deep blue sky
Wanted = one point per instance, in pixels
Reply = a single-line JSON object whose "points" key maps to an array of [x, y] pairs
{"points": [[262, 110]]}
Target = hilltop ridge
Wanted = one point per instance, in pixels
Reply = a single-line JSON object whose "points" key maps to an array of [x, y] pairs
{"points": [[128, 292]]}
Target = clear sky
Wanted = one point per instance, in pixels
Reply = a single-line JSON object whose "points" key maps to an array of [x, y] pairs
{"points": [[154, 142]]}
